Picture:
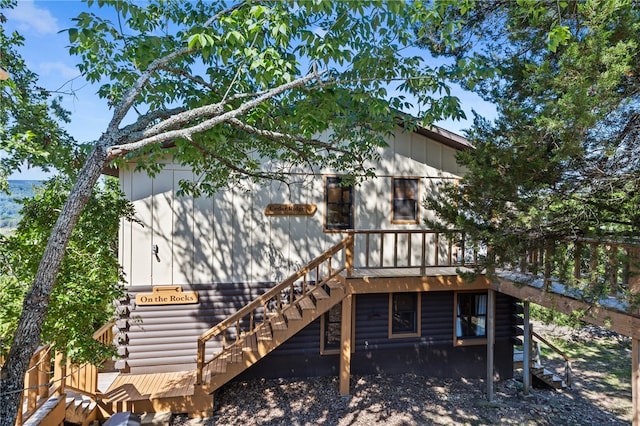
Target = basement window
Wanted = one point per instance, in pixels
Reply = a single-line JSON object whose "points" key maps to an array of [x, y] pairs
{"points": [[331, 330], [471, 318], [331, 323], [404, 314]]}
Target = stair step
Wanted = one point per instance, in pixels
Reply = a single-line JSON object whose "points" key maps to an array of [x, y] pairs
{"points": [[250, 343], [306, 303], [335, 285], [319, 293], [218, 365], [278, 323], [264, 332], [292, 313], [234, 353]]}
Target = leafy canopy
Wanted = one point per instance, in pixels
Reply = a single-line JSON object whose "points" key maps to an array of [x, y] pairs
{"points": [[30, 119], [228, 86], [89, 278], [561, 157]]}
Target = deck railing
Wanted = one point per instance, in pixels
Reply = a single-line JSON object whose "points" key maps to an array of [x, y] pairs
{"points": [[595, 267], [37, 383], [413, 248], [328, 265], [41, 382], [82, 378]]}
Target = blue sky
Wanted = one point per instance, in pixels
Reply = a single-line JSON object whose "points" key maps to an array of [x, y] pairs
{"points": [[46, 53]]}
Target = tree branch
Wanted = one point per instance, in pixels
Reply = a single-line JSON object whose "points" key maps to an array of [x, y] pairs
{"points": [[153, 135], [281, 137], [122, 108]]}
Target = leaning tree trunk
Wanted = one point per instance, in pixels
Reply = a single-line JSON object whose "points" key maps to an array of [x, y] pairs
{"points": [[36, 302]]}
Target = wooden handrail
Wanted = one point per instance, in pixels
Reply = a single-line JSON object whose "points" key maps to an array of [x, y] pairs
{"points": [[551, 346], [37, 384], [104, 334], [449, 248], [600, 265], [262, 301], [83, 378], [265, 297], [567, 360]]}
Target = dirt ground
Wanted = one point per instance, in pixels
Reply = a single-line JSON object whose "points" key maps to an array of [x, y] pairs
{"points": [[600, 395]]}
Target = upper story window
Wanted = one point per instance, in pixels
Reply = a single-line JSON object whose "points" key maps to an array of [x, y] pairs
{"points": [[471, 318], [339, 204], [405, 200]]}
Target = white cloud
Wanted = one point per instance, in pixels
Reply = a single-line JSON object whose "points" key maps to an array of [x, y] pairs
{"points": [[58, 68], [27, 16]]}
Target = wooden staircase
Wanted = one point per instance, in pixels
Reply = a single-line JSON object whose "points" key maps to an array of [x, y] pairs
{"points": [[538, 371], [246, 337], [250, 347], [80, 409]]}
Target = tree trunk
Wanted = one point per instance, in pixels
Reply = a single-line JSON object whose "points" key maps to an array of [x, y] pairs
{"points": [[36, 302]]}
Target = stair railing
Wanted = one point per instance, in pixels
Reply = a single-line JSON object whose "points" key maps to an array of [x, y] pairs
{"points": [[82, 378], [536, 355], [275, 301], [37, 384]]}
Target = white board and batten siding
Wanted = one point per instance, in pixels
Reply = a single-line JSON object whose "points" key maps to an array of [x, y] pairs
{"points": [[228, 238]]}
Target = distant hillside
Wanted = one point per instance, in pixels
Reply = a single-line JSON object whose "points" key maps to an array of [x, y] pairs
{"points": [[9, 208]]}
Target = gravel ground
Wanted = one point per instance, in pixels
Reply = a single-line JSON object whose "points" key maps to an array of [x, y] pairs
{"points": [[410, 399]]}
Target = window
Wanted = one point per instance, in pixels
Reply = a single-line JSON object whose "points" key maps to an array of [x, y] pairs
{"points": [[331, 330], [471, 318], [404, 314], [405, 200], [331, 325], [339, 200]]}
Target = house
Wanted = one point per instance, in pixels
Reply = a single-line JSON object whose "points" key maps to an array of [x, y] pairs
{"points": [[384, 291]]}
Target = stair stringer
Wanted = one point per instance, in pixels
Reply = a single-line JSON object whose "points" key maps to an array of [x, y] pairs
{"points": [[213, 381]]}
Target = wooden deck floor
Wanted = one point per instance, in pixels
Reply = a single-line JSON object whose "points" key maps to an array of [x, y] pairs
{"points": [[139, 387]]}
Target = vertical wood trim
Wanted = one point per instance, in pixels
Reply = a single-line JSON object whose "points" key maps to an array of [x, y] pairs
{"points": [[349, 253], [44, 369], [635, 381], [31, 384], [491, 315], [577, 248], [526, 351], [634, 270], [345, 345]]}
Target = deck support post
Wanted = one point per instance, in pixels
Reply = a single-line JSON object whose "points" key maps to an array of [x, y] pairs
{"points": [[345, 345], [491, 315], [635, 381], [526, 351]]}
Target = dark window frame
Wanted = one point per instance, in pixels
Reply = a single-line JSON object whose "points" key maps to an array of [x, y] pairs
{"points": [[470, 318], [399, 315], [342, 207], [400, 196], [324, 322]]}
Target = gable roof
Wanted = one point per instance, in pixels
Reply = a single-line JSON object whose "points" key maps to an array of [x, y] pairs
{"points": [[445, 137]]}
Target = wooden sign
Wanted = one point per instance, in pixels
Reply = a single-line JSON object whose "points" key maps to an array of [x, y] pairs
{"points": [[290, 209], [167, 295]]}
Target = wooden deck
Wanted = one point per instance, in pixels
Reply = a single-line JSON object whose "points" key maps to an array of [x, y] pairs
{"points": [[136, 387], [158, 392]]}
